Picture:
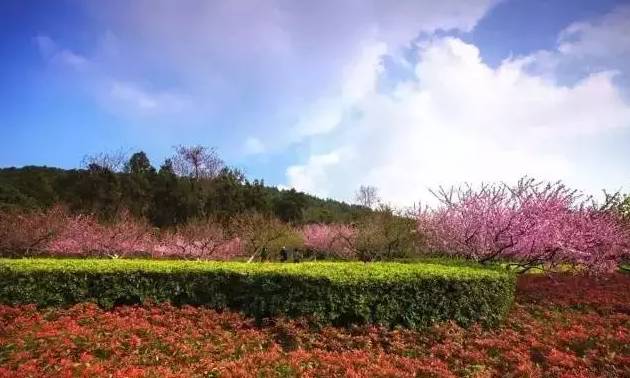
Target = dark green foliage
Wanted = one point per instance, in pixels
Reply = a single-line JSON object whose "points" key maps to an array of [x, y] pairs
{"points": [[137, 184], [412, 294], [163, 197], [12, 199], [225, 194], [257, 198], [29, 187], [172, 199], [98, 191], [289, 207]]}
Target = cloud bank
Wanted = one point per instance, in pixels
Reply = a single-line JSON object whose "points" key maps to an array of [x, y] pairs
{"points": [[456, 119], [368, 92], [257, 67]]}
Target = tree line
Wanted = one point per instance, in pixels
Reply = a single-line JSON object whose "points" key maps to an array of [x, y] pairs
{"points": [[193, 184]]}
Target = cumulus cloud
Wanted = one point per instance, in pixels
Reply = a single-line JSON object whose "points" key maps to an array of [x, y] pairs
{"points": [[594, 38], [311, 74], [460, 120], [358, 80], [316, 172], [586, 47], [256, 62]]}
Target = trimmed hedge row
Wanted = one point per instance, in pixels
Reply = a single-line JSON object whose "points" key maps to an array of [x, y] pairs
{"points": [[408, 294]]}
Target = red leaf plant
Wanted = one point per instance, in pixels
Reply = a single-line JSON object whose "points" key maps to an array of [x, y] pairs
{"points": [[564, 334]]}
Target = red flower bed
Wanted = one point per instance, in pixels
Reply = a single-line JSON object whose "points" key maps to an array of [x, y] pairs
{"points": [[566, 327]]}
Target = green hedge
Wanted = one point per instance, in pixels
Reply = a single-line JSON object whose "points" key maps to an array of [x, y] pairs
{"points": [[409, 294]]}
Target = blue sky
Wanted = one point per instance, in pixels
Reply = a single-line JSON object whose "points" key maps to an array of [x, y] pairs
{"points": [[326, 96]]}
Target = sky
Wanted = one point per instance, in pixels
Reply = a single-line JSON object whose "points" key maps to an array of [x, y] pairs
{"points": [[329, 95]]}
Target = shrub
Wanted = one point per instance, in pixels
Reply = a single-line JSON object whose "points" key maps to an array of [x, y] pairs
{"points": [[412, 295]]}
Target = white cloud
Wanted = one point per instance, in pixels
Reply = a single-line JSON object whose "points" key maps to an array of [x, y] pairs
{"points": [[315, 172], [131, 94], [360, 76], [358, 80], [461, 120], [138, 101], [256, 62], [53, 53], [586, 47], [596, 37], [253, 146]]}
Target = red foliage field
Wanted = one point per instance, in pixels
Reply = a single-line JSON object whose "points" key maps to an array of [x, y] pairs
{"points": [[565, 327]]}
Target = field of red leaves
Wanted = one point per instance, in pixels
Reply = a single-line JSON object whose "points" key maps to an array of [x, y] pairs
{"points": [[565, 327]]}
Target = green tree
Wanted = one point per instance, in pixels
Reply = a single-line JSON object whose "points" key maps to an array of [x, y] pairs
{"points": [[99, 191], [257, 198], [225, 196], [138, 180], [290, 205], [172, 200]]}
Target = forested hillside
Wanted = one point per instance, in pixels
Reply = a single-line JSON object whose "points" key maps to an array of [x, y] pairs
{"points": [[193, 184]]}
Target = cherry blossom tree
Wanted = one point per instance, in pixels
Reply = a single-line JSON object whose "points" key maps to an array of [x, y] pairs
{"points": [[59, 233], [337, 240], [199, 240], [23, 233], [530, 225], [83, 235]]}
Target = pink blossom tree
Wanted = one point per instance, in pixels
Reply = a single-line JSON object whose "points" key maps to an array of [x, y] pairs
{"points": [[83, 235], [530, 225], [30, 232], [57, 232], [337, 240], [199, 240]]}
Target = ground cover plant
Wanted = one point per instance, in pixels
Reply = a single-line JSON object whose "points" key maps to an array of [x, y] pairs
{"points": [[568, 326], [408, 294]]}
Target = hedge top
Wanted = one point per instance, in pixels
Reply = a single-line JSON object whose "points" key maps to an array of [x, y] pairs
{"points": [[333, 271]]}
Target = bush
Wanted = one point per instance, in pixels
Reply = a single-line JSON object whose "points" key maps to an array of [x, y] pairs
{"points": [[412, 295]]}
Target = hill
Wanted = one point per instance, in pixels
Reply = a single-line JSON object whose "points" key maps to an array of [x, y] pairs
{"points": [[162, 196]]}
